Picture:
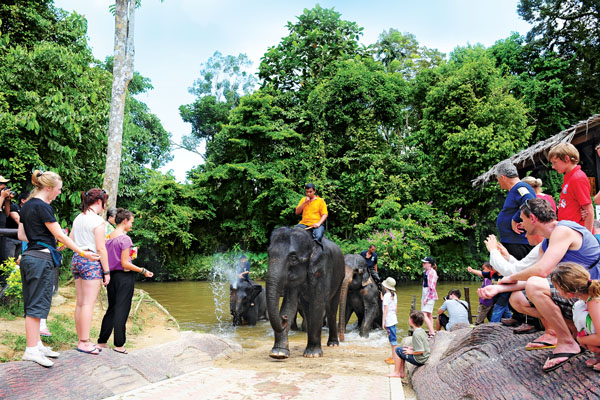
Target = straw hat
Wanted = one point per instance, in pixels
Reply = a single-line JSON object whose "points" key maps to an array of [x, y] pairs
{"points": [[389, 283]]}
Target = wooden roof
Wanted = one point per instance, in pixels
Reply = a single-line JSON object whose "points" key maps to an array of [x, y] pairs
{"points": [[576, 134]]}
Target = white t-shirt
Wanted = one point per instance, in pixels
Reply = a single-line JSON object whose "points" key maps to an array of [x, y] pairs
{"points": [[83, 230], [390, 319]]}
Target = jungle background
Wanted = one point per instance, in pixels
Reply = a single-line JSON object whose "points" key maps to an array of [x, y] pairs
{"points": [[391, 133]]}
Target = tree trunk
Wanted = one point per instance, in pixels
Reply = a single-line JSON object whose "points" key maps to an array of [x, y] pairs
{"points": [[122, 74]]}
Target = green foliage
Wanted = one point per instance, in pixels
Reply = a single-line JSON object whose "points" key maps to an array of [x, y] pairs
{"points": [[404, 234], [569, 29], [308, 54], [9, 270]]}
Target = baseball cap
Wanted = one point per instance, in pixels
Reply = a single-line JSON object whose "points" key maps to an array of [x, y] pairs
{"points": [[429, 260]]}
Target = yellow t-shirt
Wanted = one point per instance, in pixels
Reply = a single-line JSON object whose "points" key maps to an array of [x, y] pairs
{"points": [[313, 211]]}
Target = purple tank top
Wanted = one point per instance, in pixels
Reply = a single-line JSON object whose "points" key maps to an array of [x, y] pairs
{"points": [[587, 255]]}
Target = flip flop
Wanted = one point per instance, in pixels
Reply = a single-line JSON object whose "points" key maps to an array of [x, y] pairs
{"points": [[45, 333], [559, 355], [122, 352], [95, 349], [545, 345]]}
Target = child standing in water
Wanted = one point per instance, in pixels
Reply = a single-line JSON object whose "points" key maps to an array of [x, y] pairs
{"points": [[573, 281], [389, 319], [429, 292]]}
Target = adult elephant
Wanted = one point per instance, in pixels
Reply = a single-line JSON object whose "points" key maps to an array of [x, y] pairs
{"points": [[301, 271], [247, 302], [359, 295]]}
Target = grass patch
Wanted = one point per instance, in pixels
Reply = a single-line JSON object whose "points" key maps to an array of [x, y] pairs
{"points": [[15, 342], [63, 332], [11, 311]]}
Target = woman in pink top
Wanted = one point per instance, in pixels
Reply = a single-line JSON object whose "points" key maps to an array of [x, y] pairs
{"points": [[120, 289], [536, 184]]}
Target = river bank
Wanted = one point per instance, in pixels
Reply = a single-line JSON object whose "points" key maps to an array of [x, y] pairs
{"points": [[148, 325], [159, 351]]}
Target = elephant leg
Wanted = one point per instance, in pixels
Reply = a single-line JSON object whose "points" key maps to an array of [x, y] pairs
{"points": [[281, 348], [331, 309], [314, 325]]}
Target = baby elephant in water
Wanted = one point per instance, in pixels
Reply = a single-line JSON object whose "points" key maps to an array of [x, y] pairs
{"points": [[247, 302]]}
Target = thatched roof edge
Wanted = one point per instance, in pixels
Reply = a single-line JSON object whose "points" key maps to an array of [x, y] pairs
{"points": [[529, 153]]}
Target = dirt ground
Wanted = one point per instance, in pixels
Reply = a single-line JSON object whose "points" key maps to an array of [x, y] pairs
{"points": [[149, 326], [350, 358]]}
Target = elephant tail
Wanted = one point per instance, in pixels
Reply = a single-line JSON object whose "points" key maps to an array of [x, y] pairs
{"points": [[343, 298]]}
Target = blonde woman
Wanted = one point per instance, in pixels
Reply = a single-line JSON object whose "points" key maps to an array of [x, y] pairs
{"points": [[89, 232], [536, 184], [39, 228]]}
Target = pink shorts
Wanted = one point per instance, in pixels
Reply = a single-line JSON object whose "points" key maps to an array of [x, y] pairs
{"points": [[85, 269]]}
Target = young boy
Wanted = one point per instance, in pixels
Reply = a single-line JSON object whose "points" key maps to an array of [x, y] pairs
{"points": [[575, 193], [485, 305], [418, 353]]}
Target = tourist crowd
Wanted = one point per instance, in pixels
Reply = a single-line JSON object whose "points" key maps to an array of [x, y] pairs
{"points": [[103, 254]]}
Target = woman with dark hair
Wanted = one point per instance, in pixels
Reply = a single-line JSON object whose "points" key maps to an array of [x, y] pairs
{"points": [[39, 228], [89, 232], [120, 288]]}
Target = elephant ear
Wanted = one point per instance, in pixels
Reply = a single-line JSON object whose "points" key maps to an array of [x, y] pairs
{"points": [[315, 258]]}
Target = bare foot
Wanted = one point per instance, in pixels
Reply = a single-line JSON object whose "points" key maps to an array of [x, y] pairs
{"points": [[394, 375], [102, 345]]}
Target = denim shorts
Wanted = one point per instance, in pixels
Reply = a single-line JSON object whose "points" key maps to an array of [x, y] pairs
{"points": [[407, 357], [37, 275], [391, 331], [85, 269]]}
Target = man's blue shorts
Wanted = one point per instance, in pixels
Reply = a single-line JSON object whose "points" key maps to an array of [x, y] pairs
{"points": [[391, 331]]}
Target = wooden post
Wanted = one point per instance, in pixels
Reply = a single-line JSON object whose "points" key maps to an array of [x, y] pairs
{"points": [[469, 305], [412, 308]]}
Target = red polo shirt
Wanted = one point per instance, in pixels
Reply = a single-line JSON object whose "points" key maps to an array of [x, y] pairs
{"points": [[575, 193]]}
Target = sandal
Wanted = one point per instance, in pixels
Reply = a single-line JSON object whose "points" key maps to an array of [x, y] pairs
{"points": [[46, 333], [95, 351]]}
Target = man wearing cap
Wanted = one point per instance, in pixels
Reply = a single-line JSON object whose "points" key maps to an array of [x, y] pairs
{"points": [[4, 212], [314, 212], [458, 311]]}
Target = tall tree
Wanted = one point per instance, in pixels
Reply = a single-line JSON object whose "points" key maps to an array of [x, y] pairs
{"points": [[223, 81], [318, 39], [122, 74], [571, 29]]}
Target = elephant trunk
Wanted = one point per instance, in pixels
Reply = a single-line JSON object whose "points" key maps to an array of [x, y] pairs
{"points": [[273, 289], [343, 298]]}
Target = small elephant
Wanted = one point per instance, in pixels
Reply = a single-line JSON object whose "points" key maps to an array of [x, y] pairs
{"points": [[302, 271], [247, 302], [359, 295]]}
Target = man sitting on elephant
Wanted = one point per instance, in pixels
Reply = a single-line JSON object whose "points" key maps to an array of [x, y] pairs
{"points": [[314, 213], [371, 258]]}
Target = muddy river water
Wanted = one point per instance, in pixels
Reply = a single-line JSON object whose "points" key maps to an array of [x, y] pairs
{"points": [[204, 306]]}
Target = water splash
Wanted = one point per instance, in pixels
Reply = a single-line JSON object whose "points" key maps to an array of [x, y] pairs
{"points": [[222, 275]]}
